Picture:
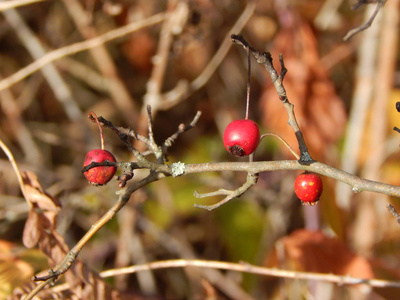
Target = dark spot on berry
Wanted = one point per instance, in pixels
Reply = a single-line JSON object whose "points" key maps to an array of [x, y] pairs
{"points": [[236, 150]]}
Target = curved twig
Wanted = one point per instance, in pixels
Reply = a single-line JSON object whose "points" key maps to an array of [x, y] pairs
{"points": [[367, 24]]}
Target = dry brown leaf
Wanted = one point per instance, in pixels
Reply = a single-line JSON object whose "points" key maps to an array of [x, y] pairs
{"points": [[313, 251], [43, 212], [319, 111]]}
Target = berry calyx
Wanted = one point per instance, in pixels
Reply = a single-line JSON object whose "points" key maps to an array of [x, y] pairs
{"points": [[102, 174], [308, 188], [241, 137]]}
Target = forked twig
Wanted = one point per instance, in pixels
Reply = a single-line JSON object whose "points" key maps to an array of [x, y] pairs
{"points": [[230, 194]]}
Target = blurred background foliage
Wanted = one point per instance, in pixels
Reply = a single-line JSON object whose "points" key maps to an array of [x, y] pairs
{"points": [[45, 126]]}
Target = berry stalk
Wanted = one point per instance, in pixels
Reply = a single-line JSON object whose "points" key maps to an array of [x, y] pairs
{"points": [[248, 83], [92, 116]]}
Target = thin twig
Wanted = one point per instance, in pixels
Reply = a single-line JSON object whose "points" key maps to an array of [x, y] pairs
{"points": [[360, 107], [241, 267], [249, 268], [11, 158], [367, 24], [181, 129]]}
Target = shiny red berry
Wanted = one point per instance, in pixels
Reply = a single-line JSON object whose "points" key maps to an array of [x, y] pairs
{"points": [[241, 137], [308, 187], [102, 174]]}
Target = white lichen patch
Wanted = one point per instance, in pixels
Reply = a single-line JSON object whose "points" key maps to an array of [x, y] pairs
{"points": [[177, 169]]}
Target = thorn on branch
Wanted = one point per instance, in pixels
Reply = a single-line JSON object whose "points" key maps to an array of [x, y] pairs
{"points": [[283, 68], [60, 269], [51, 275]]}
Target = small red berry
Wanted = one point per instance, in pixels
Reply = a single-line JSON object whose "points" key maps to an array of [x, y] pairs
{"points": [[241, 137], [308, 187], [102, 174]]}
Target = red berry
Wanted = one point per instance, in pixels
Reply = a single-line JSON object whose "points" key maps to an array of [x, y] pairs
{"points": [[308, 187], [241, 137], [102, 174]]}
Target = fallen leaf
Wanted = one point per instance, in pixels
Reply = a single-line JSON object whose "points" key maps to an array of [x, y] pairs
{"points": [[313, 251], [43, 212]]}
